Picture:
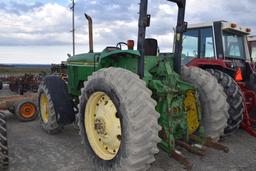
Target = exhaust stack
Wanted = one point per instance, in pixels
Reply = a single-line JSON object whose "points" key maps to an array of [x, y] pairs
{"points": [[89, 19]]}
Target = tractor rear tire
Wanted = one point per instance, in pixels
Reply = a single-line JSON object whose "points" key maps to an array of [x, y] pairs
{"points": [[4, 160], [136, 112], [212, 99], [26, 110], [235, 100]]}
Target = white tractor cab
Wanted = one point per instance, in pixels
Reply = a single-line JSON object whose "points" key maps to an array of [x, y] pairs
{"points": [[217, 40], [252, 47]]}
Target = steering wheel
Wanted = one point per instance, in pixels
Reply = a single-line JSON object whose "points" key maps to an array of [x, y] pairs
{"points": [[119, 45]]}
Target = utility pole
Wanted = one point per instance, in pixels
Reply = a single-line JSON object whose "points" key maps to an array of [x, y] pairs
{"points": [[73, 25]]}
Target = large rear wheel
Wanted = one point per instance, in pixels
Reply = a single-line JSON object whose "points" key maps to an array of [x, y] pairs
{"points": [[118, 121], [234, 99], [212, 99]]}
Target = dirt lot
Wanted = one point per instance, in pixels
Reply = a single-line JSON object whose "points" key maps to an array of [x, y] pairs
{"points": [[31, 149]]}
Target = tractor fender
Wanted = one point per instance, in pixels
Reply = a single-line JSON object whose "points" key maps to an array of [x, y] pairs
{"points": [[219, 64], [201, 62]]}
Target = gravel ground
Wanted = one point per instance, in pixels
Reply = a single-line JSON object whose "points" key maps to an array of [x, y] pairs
{"points": [[30, 149]]}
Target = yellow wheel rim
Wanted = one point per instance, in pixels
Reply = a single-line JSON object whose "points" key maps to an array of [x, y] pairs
{"points": [[102, 126], [44, 106], [190, 104]]}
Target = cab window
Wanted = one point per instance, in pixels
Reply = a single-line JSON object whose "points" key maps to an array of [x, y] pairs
{"points": [[233, 45], [198, 43], [253, 51]]}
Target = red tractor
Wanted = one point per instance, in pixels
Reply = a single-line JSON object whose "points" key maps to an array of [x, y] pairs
{"points": [[221, 48]]}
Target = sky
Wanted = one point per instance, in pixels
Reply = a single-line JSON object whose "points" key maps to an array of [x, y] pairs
{"points": [[38, 31]]}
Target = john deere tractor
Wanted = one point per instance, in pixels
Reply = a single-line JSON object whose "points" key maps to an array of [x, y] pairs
{"points": [[221, 48], [126, 102]]}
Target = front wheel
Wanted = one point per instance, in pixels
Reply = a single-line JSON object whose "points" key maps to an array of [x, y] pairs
{"points": [[118, 121], [56, 107]]}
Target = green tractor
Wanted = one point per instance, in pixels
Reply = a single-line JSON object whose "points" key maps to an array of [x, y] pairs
{"points": [[127, 102]]}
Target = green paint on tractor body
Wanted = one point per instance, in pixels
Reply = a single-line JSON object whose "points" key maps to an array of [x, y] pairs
{"points": [[167, 88]]}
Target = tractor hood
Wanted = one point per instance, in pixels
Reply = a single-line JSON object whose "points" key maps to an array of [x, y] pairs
{"points": [[119, 52], [84, 57], [91, 57]]}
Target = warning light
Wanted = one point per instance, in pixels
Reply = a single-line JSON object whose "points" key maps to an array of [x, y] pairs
{"points": [[248, 30], [238, 75], [233, 25]]}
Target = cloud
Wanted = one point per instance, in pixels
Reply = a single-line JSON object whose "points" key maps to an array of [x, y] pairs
{"points": [[26, 22], [43, 24], [18, 7]]}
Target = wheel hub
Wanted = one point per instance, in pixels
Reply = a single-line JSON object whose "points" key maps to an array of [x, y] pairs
{"points": [[103, 127], [27, 110], [100, 126]]}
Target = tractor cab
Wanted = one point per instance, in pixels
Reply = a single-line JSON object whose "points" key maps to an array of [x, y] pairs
{"points": [[217, 40], [219, 44]]}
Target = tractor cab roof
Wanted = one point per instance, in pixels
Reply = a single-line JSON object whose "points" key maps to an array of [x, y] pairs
{"points": [[226, 26]]}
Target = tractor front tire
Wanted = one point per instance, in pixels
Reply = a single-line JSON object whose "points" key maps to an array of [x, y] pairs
{"points": [[212, 99], [47, 112], [4, 160], [55, 105], [118, 121], [234, 99], [26, 110]]}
